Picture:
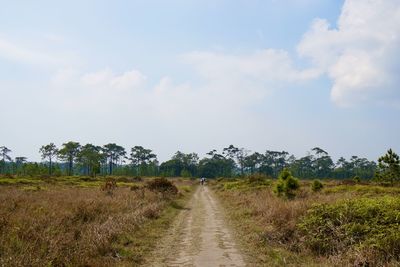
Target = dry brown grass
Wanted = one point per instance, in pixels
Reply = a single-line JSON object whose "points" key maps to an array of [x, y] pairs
{"points": [[267, 225], [277, 217], [63, 226]]}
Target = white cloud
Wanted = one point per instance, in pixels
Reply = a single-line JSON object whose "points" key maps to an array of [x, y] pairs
{"points": [[94, 90], [11, 51], [231, 84], [360, 56], [267, 65], [44, 54]]}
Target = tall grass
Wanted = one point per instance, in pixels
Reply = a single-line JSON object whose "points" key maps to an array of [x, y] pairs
{"points": [[277, 231], [64, 226]]}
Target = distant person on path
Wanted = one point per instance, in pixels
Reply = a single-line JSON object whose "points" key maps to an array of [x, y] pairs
{"points": [[202, 181]]}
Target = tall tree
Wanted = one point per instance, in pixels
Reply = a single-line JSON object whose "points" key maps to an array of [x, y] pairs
{"points": [[217, 165], [19, 164], [236, 154], [389, 167], [180, 164], [303, 167], [68, 153], [90, 157], [141, 157], [49, 152], [253, 162], [343, 168], [276, 161], [20, 160], [322, 163], [4, 151], [114, 154]]}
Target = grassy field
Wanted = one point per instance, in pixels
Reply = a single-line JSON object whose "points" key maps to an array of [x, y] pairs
{"points": [[343, 224], [70, 221]]}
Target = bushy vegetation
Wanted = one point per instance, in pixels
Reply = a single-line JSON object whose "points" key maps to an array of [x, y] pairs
{"points": [[316, 185], [348, 224], [388, 168], [287, 184], [162, 185], [253, 182], [370, 227], [357, 179]]}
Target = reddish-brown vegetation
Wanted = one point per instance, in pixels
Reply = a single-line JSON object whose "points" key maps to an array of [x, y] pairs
{"points": [[70, 226]]}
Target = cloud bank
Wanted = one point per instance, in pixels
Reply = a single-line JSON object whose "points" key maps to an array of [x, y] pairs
{"points": [[361, 55]]}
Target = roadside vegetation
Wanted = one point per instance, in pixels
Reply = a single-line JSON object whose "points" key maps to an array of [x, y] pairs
{"points": [[315, 222], [69, 221]]}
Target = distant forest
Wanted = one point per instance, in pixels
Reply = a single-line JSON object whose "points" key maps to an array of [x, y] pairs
{"points": [[111, 159]]}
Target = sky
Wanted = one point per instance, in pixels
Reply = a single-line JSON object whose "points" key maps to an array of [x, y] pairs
{"points": [[197, 75]]}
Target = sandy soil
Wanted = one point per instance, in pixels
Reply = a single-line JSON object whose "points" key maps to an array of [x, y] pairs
{"points": [[199, 236]]}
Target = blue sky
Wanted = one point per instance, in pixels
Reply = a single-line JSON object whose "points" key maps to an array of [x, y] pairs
{"points": [[197, 75]]}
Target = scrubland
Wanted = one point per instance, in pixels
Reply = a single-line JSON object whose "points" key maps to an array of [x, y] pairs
{"points": [[343, 224], [71, 221]]}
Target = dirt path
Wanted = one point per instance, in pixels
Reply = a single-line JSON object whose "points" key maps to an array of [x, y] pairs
{"points": [[199, 236]]}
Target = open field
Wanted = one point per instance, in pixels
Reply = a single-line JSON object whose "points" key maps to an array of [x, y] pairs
{"points": [[344, 224], [71, 222]]}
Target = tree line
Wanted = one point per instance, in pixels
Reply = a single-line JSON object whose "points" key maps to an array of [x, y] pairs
{"points": [[73, 158]]}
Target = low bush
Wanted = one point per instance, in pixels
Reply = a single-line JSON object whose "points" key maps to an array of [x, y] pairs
{"points": [[251, 183], [357, 232], [316, 185], [257, 179], [162, 185], [287, 184], [360, 227], [356, 179]]}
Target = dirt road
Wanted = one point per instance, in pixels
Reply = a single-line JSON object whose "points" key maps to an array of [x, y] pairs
{"points": [[199, 236]]}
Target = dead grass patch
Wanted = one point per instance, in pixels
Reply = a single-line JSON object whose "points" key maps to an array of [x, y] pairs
{"points": [[73, 226]]}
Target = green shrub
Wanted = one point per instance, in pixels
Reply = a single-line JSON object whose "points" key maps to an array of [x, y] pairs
{"points": [[316, 185], [287, 184], [356, 179], [292, 183], [365, 225], [285, 174]]}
